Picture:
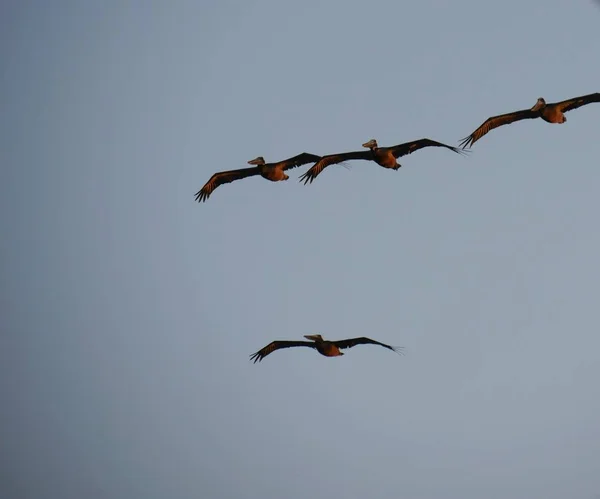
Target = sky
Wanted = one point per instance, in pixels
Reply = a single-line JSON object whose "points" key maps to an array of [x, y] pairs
{"points": [[129, 311]]}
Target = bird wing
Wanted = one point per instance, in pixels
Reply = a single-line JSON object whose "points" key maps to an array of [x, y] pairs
{"points": [[299, 160], [415, 145], [224, 178], [276, 345], [332, 159], [364, 341], [575, 102], [495, 122]]}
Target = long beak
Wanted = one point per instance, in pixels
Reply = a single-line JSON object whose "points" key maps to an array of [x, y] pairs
{"points": [[313, 337]]}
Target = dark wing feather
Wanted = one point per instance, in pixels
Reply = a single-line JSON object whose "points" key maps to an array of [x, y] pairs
{"points": [[364, 341], [574, 103], [276, 345], [415, 145], [495, 122], [224, 178], [332, 159], [299, 160]]}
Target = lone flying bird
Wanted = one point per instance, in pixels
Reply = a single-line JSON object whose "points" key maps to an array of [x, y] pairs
{"points": [[324, 347], [383, 156], [271, 171], [552, 113]]}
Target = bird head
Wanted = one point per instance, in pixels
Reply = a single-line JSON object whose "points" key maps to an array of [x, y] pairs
{"points": [[539, 104], [372, 144], [257, 161]]}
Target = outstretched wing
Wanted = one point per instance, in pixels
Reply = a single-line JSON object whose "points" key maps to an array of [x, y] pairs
{"points": [[332, 159], [575, 102], [415, 145], [365, 341], [276, 345], [495, 122], [299, 160], [224, 178]]}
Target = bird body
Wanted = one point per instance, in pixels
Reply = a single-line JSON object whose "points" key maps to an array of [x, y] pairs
{"points": [[550, 113], [324, 347], [383, 156], [273, 174]]}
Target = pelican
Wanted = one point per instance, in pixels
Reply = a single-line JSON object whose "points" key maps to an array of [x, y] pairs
{"points": [[383, 156], [552, 113], [271, 171], [324, 347]]}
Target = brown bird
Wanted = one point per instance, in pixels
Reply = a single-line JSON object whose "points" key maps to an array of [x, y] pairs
{"points": [[324, 347], [552, 113], [383, 156], [271, 171]]}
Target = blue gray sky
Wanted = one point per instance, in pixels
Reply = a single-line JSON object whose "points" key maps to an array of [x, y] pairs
{"points": [[128, 311]]}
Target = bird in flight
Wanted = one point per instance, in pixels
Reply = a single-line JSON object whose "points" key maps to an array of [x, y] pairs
{"points": [[551, 113], [271, 171], [324, 347], [383, 156]]}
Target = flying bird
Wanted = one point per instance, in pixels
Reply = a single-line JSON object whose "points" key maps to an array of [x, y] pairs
{"points": [[552, 113], [271, 171], [383, 156], [324, 347]]}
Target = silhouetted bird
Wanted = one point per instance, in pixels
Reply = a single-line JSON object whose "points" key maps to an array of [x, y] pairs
{"points": [[271, 171], [324, 347], [383, 156], [552, 113]]}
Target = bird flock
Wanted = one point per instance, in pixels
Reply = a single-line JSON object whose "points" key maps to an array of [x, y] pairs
{"points": [[386, 157]]}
